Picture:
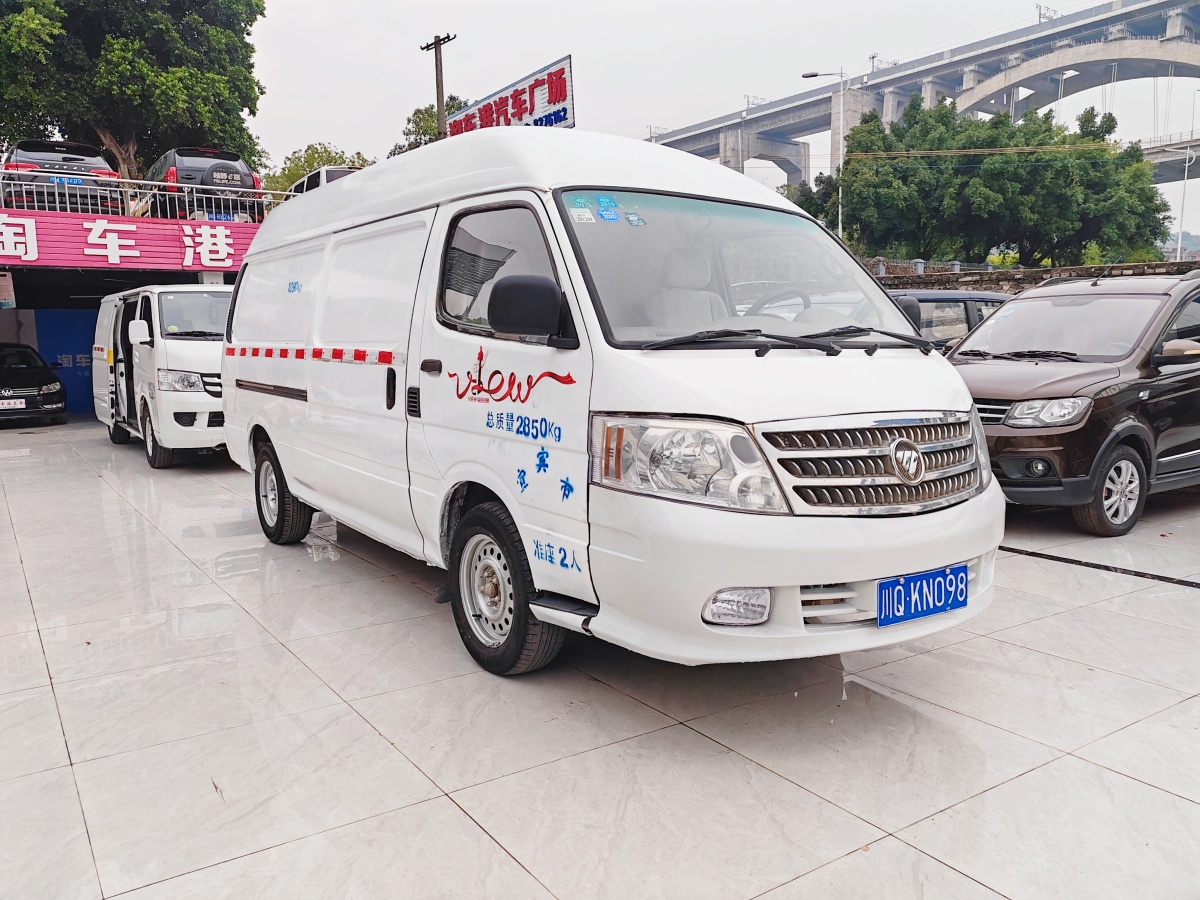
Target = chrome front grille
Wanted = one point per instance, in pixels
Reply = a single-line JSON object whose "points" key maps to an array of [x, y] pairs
{"points": [[6, 393], [992, 412], [212, 384], [843, 466]]}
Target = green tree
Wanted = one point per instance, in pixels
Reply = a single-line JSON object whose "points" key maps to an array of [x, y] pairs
{"points": [[139, 77], [421, 127], [819, 200], [1045, 206], [300, 162]]}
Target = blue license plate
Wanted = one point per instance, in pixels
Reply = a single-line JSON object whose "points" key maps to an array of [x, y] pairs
{"points": [[924, 594], [220, 217], [63, 179]]}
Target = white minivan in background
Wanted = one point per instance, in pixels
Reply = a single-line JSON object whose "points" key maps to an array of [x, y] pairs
{"points": [[156, 367], [612, 388]]}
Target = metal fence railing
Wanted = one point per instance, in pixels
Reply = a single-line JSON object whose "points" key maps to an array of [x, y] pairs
{"points": [[882, 266], [52, 190]]}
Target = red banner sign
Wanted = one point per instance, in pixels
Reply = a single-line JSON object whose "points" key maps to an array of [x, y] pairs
{"points": [[547, 97], [79, 241]]}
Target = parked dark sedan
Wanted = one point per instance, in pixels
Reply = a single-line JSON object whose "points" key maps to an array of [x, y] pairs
{"points": [[949, 314], [29, 389], [59, 176], [1089, 392]]}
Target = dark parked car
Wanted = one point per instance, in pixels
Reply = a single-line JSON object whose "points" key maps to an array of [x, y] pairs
{"points": [[59, 176], [29, 389], [949, 314], [201, 183], [1089, 392]]}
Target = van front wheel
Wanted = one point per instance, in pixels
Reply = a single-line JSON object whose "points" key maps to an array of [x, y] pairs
{"points": [[157, 455], [285, 519], [490, 589]]}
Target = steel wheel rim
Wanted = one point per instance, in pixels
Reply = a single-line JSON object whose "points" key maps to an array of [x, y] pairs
{"points": [[149, 439], [485, 585], [1122, 489], [268, 494]]}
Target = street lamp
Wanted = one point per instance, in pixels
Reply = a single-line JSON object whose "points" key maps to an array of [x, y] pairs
{"points": [[1187, 162], [841, 150]]}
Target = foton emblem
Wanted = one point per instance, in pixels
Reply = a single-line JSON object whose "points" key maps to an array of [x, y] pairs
{"points": [[907, 461]]}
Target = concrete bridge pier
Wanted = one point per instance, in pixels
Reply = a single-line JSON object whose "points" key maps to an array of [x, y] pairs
{"points": [[739, 143], [857, 102]]}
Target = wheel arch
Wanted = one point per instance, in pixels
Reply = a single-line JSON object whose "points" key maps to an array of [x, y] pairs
{"points": [[1130, 433], [464, 496]]}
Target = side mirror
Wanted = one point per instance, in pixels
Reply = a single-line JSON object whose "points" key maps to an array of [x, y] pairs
{"points": [[139, 332], [531, 306], [1178, 352], [911, 307]]}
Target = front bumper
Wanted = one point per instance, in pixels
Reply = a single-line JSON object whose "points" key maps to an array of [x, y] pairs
{"points": [[1068, 492], [655, 562], [37, 407], [198, 436]]}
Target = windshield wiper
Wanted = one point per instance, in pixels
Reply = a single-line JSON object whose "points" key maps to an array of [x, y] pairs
{"points": [[699, 337], [925, 346], [1041, 354], [194, 334], [982, 354]]}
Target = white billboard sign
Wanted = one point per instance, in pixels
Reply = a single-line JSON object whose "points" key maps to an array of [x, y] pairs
{"points": [[546, 97]]}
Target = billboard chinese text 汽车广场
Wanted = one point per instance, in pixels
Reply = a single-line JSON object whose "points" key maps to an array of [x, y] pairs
{"points": [[80, 241], [546, 97]]}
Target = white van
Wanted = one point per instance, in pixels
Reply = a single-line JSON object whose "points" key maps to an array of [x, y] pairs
{"points": [[156, 367], [319, 177], [552, 363]]}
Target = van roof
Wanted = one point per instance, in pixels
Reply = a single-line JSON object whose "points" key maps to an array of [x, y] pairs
{"points": [[500, 159], [159, 288]]}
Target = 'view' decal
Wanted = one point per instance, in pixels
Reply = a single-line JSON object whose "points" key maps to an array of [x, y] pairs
{"points": [[498, 386]]}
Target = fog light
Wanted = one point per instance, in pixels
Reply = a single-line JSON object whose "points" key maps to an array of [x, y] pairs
{"points": [[1037, 467], [186, 419], [738, 606]]}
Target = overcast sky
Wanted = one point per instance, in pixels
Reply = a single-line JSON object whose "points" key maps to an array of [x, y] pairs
{"points": [[350, 72]]}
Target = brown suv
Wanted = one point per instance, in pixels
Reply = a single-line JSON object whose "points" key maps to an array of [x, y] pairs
{"points": [[1089, 392]]}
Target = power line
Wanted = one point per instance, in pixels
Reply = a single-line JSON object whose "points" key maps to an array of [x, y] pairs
{"points": [[981, 151]]}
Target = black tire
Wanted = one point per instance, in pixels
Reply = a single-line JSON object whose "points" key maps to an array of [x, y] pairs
{"points": [[289, 521], [157, 455], [117, 434], [521, 642], [1110, 514]]}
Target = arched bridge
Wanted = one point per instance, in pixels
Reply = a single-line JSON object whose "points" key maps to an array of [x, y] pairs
{"points": [[1029, 68]]}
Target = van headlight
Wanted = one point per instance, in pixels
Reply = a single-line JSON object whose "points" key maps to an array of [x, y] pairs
{"points": [[1047, 413], [689, 460], [170, 380], [981, 451]]}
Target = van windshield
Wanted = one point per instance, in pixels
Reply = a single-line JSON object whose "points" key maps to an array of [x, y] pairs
{"points": [[1091, 329], [664, 266], [194, 315]]}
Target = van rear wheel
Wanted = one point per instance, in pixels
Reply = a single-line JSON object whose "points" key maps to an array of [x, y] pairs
{"points": [[285, 519], [490, 589]]}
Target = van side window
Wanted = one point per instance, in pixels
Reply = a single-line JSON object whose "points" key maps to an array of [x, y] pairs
{"points": [[484, 247], [313, 181], [1186, 324], [144, 313]]}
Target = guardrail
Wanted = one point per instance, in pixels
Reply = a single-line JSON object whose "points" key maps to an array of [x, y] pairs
{"points": [[55, 190], [883, 266]]}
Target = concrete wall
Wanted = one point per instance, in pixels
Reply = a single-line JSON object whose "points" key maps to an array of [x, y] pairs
{"points": [[1013, 281]]}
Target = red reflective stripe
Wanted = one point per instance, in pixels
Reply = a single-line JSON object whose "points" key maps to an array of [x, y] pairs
{"points": [[254, 351], [385, 357], [338, 353], [229, 351], [243, 353], [283, 354], [317, 352], [268, 352], [360, 355], [300, 354]]}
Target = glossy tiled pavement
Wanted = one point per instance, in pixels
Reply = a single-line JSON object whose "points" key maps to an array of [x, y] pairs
{"points": [[189, 711]]}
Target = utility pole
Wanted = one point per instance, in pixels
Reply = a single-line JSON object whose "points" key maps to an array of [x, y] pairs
{"points": [[436, 46]]}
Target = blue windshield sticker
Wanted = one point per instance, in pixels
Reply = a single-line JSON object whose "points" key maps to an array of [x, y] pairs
{"points": [[603, 200], [582, 201], [634, 219], [608, 215]]}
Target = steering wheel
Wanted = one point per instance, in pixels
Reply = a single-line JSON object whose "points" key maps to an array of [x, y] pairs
{"points": [[788, 293]]}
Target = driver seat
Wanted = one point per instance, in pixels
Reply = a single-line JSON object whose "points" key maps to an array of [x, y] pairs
{"points": [[683, 302]]}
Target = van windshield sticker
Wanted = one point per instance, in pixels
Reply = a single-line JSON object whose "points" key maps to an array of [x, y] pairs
{"points": [[604, 200], [608, 215], [634, 219], [582, 201], [581, 215]]}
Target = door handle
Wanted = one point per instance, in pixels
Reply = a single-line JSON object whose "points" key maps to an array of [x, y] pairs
{"points": [[431, 366], [391, 387]]}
